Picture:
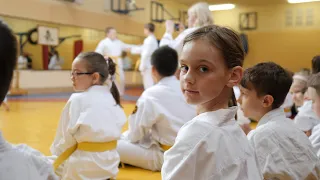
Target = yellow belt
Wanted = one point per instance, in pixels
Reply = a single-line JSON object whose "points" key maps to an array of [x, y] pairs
{"points": [[84, 146], [287, 110], [165, 147]]}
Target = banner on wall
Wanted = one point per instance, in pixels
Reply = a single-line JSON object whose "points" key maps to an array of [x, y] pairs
{"points": [[48, 36]]}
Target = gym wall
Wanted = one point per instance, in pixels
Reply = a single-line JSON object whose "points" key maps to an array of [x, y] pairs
{"points": [[88, 20], [290, 44]]}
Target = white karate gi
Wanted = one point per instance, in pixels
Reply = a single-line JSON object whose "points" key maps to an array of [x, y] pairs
{"points": [[150, 44], [315, 139], [212, 146], [283, 150], [176, 43], [22, 62], [55, 64], [161, 112], [90, 116], [287, 105], [22, 162], [114, 48], [306, 119]]}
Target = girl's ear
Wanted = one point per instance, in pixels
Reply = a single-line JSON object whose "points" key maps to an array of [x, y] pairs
{"points": [[96, 77], [235, 76]]}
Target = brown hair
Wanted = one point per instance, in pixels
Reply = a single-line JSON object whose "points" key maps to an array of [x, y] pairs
{"points": [[314, 82], [268, 79], [108, 29], [316, 64], [224, 39], [8, 58], [97, 63], [150, 27]]}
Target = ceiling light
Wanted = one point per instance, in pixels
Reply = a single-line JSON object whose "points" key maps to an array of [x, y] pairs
{"points": [[221, 7], [301, 1]]}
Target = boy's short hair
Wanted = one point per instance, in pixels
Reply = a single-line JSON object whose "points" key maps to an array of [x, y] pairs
{"points": [[268, 79], [316, 64], [108, 29], [8, 58], [150, 27], [165, 60], [314, 82]]}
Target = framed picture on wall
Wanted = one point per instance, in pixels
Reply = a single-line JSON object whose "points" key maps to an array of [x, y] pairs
{"points": [[248, 21], [48, 36]]}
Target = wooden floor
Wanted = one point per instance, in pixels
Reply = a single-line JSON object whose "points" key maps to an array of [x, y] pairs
{"points": [[34, 122]]}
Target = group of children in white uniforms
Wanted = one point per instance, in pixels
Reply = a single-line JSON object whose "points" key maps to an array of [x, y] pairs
{"points": [[187, 132]]}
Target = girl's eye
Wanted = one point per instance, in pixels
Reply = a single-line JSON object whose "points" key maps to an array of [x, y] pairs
{"points": [[203, 69], [184, 68]]}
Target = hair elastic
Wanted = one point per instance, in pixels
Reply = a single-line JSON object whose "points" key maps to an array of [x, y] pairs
{"points": [[113, 78]]}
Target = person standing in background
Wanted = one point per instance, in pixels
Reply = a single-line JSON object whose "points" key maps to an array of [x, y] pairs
{"points": [[55, 61], [150, 44], [112, 47], [199, 15]]}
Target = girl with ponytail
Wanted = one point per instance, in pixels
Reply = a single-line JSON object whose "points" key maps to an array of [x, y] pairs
{"points": [[91, 122]]}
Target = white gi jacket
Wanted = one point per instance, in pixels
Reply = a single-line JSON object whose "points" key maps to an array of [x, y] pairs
{"points": [[111, 47], [315, 139], [150, 44], [22, 162], [283, 150], [90, 116], [212, 146], [55, 63], [161, 111], [306, 118]]}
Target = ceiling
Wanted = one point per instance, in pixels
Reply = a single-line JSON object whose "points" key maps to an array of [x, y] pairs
{"points": [[237, 2]]}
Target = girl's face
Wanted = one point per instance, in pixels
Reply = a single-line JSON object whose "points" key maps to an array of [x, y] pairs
{"points": [[204, 75], [81, 78], [297, 95]]}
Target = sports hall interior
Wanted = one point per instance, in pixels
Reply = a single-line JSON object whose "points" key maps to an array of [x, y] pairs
{"points": [[275, 30]]}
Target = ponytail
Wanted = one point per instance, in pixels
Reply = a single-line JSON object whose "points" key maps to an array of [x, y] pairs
{"points": [[233, 102], [114, 90], [105, 67]]}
